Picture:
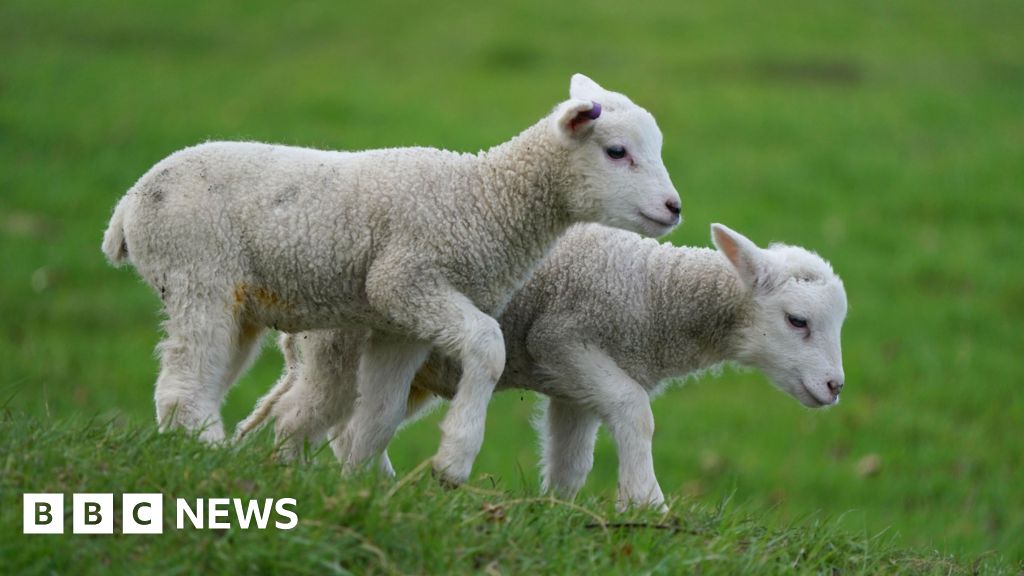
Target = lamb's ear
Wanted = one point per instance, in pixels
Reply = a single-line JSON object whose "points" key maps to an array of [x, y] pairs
{"points": [[583, 88], [744, 255], [575, 118]]}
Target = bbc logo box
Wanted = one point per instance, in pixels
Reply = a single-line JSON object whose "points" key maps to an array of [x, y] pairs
{"points": [[43, 514], [93, 513]]}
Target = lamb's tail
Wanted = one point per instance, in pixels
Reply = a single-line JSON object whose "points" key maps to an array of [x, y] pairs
{"points": [[114, 245], [265, 405]]}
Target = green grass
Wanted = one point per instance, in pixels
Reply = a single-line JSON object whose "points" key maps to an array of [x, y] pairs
{"points": [[366, 525], [887, 136]]}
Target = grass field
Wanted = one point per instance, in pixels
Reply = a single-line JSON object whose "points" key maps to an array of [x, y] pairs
{"points": [[887, 136], [363, 525]]}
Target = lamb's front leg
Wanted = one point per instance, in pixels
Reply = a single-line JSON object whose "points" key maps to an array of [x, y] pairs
{"points": [[426, 309], [476, 340], [625, 408], [632, 425], [567, 432]]}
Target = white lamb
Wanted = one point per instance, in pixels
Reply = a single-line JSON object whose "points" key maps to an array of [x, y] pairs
{"points": [[421, 245], [601, 326]]}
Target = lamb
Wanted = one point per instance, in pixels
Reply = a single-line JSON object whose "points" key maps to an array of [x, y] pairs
{"points": [[600, 328], [422, 246]]}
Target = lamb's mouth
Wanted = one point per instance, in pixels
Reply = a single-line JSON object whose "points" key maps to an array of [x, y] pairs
{"points": [[659, 222], [817, 402]]}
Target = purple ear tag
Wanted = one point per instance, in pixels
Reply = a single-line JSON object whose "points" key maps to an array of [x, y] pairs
{"points": [[581, 117]]}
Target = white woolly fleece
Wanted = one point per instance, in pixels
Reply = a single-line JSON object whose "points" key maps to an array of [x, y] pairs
{"points": [[423, 246], [605, 321]]}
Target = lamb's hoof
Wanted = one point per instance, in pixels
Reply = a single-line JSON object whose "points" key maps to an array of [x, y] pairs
{"points": [[208, 430], [288, 453], [624, 504], [385, 469], [447, 480], [210, 433]]}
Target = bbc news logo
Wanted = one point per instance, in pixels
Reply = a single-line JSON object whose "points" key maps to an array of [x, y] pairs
{"points": [[144, 513]]}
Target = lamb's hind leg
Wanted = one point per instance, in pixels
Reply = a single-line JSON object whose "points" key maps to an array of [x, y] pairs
{"points": [[385, 371], [323, 392], [202, 352], [419, 402]]}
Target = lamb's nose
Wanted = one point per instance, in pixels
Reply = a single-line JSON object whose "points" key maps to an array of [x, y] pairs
{"points": [[673, 206], [835, 386]]}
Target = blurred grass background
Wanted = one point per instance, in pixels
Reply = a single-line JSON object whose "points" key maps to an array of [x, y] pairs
{"points": [[887, 136]]}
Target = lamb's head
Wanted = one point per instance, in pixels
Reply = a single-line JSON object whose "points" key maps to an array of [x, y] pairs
{"points": [[614, 149], [798, 309]]}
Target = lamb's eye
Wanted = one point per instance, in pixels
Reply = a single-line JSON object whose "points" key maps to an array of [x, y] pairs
{"points": [[616, 152], [796, 321]]}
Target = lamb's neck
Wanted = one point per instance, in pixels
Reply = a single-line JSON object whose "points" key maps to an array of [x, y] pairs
{"points": [[525, 181], [698, 299]]}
